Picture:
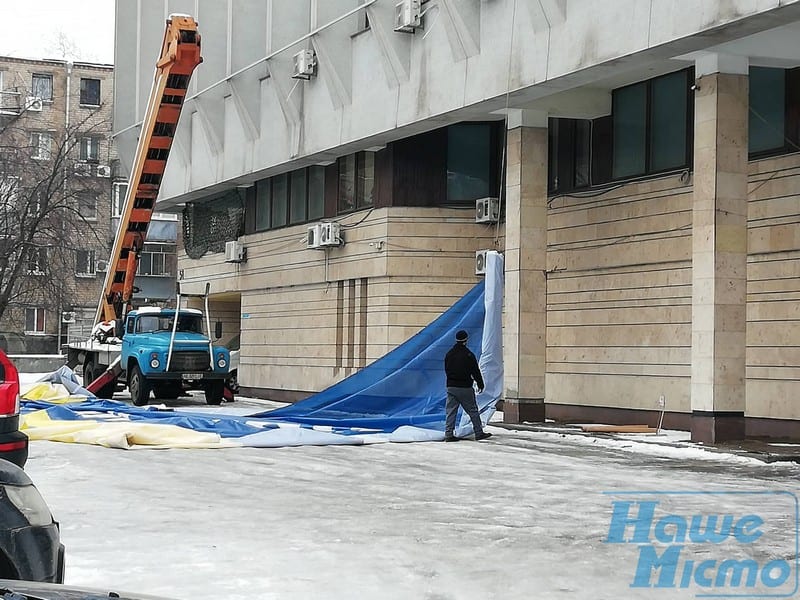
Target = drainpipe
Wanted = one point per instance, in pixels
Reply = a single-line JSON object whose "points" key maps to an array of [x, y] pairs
{"points": [[66, 175]]}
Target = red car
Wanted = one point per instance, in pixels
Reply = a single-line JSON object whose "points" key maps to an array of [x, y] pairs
{"points": [[13, 443]]}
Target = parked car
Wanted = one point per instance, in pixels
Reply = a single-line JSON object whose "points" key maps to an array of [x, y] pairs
{"points": [[26, 590], [30, 540], [13, 443]]}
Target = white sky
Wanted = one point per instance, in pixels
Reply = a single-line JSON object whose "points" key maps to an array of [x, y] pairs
{"points": [[33, 29]]}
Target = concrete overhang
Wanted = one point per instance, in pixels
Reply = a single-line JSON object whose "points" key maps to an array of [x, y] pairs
{"points": [[768, 39]]}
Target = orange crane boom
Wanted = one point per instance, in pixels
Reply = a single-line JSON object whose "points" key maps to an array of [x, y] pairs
{"points": [[180, 55]]}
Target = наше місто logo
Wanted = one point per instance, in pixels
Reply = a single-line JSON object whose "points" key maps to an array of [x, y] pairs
{"points": [[713, 544]]}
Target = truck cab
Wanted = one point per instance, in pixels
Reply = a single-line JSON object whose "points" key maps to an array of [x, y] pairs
{"points": [[167, 351]]}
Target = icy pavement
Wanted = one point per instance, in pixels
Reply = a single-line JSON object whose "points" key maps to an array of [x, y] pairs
{"points": [[523, 515]]}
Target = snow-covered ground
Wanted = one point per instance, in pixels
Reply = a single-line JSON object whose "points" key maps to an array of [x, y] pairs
{"points": [[523, 515]]}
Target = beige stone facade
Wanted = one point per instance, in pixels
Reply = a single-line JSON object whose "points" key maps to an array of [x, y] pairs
{"points": [[648, 176]]}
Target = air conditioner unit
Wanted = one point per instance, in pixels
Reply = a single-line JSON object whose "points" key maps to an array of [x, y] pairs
{"points": [[235, 252], [314, 233], [330, 234], [101, 266], [33, 103], [68, 317], [103, 170], [487, 210], [480, 262], [407, 16], [83, 169], [304, 64]]}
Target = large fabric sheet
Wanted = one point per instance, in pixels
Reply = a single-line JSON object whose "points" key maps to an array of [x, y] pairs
{"points": [[399, 398]]}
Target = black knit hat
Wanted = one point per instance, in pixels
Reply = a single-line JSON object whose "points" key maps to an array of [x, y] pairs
{"points": [[461, 336]]}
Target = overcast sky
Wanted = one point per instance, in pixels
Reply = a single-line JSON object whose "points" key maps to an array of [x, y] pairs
{"points": [[46, 28]]}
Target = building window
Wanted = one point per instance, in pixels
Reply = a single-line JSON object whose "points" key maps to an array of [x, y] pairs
{"points": [[34, 320], [90, 92], [469, 151], [87, 206], [280, 199], [356, 181], [290, 198], [263, 204], [42, 86], [774, 115], [37, 261], [158, 260], [651, 123], [84, 263], [9, 193], [41, 145], [569, 154], [90, 149], [316, 193], [118, 192], [298, 194]]}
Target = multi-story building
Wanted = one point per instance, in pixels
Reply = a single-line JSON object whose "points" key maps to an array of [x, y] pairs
{"points": [[643, 155], [63, 113], [60, 114]]}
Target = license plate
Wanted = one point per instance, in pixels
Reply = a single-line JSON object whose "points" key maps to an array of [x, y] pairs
{"points": [[191, 376]]}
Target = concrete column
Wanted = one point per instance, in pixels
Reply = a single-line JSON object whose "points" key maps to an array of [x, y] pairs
{"points": [[524, 319], [719, 249]]}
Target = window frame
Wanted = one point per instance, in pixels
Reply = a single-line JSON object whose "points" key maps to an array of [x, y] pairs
{"points": [[38, 146], [791, 116], [688, 128], [82, 197], [83, 88], [42, 77], [91, 261], [163, 252], [118, 199], [39, 314], [358, 183], [85, 146], [37, 262]]}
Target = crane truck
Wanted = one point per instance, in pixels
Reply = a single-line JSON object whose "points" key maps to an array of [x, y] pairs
{"points": [[163, 350]]}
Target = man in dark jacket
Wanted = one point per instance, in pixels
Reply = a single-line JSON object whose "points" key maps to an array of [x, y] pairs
{"points": [[461, 368]]}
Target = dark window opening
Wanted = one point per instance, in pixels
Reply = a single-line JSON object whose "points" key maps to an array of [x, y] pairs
{"points": [[774, 115], [356, 181], [90, 92], [649, 131]]}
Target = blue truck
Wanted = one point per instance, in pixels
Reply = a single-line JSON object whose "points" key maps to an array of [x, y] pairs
{"points": [[166, 351]]}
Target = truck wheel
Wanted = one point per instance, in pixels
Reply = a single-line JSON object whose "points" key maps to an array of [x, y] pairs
{"points": [[138, 386], [88, 373], [214, 391]]}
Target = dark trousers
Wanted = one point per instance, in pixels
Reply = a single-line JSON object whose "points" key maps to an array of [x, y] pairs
{"points": [[464, 397]]}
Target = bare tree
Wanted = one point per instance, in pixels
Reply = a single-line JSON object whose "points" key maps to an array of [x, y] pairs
{"points": [[44, 219]]}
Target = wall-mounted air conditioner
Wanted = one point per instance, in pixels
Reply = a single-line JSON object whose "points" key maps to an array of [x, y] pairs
{"points": [[407, 16], [305, 63], [68, 317], [103, 170], [83, 169], [33, 103], [330, 234], [480, 262], [235, 252], [324, 235], [487, 210], [100, 266]]}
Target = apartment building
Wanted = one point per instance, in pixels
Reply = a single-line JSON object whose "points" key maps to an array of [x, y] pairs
{"points": [[55, 129], [62, 112], [640, 158]]}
